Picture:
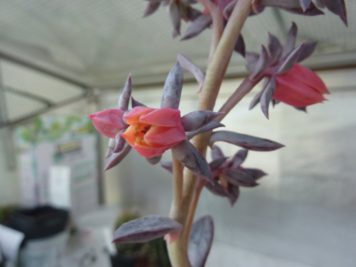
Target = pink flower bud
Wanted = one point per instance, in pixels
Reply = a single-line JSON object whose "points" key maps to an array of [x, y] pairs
{"points": [[153, 131], [108, 122], [300, 87]]}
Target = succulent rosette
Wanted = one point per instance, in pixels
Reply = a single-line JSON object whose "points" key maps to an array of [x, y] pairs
{"points": [[152, 131]]}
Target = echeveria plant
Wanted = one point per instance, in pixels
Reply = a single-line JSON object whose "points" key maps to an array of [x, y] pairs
{"points": [[151, 131]]}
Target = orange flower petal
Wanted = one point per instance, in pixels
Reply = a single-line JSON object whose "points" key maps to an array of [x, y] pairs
{"points": [[133, 115], [167, 117]]}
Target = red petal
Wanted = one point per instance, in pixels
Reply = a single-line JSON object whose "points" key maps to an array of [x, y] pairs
{"points": [[167, 117], [133, 115], [108, 122], [164, 136]]}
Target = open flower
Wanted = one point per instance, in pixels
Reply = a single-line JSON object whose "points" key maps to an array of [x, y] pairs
{"points": [[299, 87], [153, 131]]}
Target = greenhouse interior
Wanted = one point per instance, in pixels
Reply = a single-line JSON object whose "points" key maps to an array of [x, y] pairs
{"points": [[183, 133]]}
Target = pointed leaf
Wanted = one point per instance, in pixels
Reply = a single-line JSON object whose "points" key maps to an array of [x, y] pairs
{"points": [[200, 241], [306, 50], [261, 63], [216, 152], [239, 177], [111, 145], [125, 95], [245, 141], [119, 143], [217, 163], [255, 173], [116, 158], [172, 89], [167, 165], [275, 47], [291, 39], [240, 46], [215, 188], [338, 7], [267, 95], [175, 18], [189, 156], [291, 59], [151, 7], [239, 158], [196, 119], [145, 229], [192, 68], [206, 128], [251, 60], [154, 160], [233, 194], [305, 4], [255, 100], [197, 26]]}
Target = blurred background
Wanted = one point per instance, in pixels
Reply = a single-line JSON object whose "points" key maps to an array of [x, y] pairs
{"points": [[60, 62]]}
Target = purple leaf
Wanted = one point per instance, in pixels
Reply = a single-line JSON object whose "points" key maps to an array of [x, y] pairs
{"points": [[216, 152], [119, 143], [151, 7], [240, 46], [286, 4], [215, 188], [291, 59], [189, 156], [233, 194], [255, 100], [167, 165], [135, 103], [205, 128], [245, 141], [261, 63], [154, 160], [192, 68], [175, 18], [217, 163], [275, 47], [239, 177], [304, 4], [267, 95], [255, 173], [197, 26], [200, 241], [125, 95], [239, 158], [338, 7], [111, 145], [145, 229], [172, 89], [312, 10], [291, 39], [116, 158], [306, 50], [196, 119]]}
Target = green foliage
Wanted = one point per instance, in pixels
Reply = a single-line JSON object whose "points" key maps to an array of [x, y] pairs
{"points": [[153, 253], [5, 212]]}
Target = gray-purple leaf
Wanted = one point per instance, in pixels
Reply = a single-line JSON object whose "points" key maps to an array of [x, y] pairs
{"points": [[240, 46], [167, 165], [261, 63], [172, 89], [255, 100], [255, 173], [200, 241], [217, 163], [175, 18], [215, 188], [305, 4], [205, 128], [251, 60], [239, 177], [267, 95], [338, 7], [312, 10], [145, 229], [216, 152], [192, 68], [196, 119], [197, 26], [189, 156], [286, 4], [239, 158], [233, 194], [125, 95], [135, 103], [119, 143], [306, 50], [245, 141], [151, 7], [116, 158], [291, 39], [275, 47], [291, 59], [111, 145]]}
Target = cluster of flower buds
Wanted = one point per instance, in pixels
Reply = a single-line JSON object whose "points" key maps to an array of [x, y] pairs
{"points": [[201, 20], [285, 80], [152, 131]]}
